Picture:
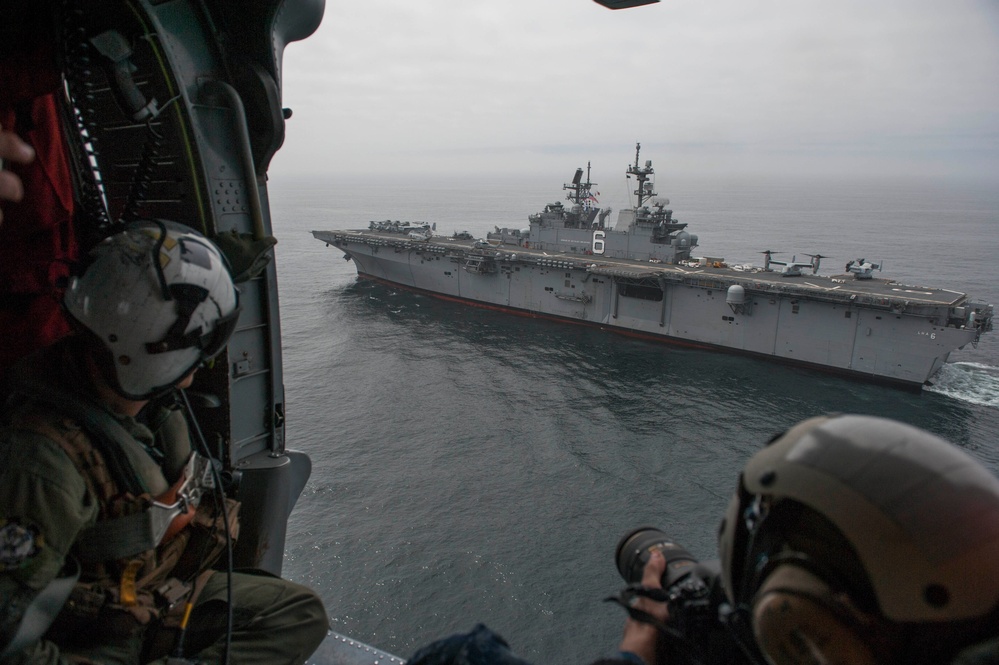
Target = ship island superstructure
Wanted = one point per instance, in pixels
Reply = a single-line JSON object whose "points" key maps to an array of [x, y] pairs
{"points": [[639, 278]]}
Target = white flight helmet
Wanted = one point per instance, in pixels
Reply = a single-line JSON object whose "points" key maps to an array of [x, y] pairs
{"points": [[159, 298], [897, 520]]}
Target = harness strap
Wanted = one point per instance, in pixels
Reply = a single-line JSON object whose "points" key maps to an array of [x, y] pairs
{"points": [[42, 611], [104, 467], [86, 458], [125, 536], [108, 539], [131, 534], [109, 437]]}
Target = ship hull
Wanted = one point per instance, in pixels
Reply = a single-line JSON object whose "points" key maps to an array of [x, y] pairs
{"points": [[783, 321]]}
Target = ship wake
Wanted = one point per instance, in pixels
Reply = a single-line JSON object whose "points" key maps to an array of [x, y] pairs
{"points": [[975, 383]]}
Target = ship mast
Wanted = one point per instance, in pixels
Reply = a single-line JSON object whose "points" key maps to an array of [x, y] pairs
{"points": [[642, 174], [579, 190]]}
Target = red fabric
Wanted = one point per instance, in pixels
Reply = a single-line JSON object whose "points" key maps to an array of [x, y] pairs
{"points": [[37, 240]]}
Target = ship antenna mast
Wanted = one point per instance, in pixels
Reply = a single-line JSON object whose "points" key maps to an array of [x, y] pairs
{"points": [[642, 174], [579, 191]]}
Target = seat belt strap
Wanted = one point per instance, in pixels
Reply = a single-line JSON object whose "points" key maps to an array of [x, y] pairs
{"points": [[42, 611]]}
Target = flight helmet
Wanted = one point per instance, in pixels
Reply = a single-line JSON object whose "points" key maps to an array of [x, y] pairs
{"points": [[159, 301], [846, 528]]}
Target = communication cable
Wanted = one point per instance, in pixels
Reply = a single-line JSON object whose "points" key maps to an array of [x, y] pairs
{"points": [[220, 503]]}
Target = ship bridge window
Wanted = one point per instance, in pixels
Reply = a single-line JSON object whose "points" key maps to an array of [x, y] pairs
{"points": [[641, 292]]}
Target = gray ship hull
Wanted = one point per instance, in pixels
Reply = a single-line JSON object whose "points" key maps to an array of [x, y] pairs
{"points": [[872, 329]]}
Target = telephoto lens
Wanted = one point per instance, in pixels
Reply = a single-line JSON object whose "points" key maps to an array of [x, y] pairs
{"points": [[635, 548]]}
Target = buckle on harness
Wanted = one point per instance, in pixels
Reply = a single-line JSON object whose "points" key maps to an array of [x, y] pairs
{"points": [[126, 588], [172, 592], [162, 519], [173, 510]]}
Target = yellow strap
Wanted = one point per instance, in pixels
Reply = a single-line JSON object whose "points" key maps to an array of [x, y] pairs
{"points": [[127, 592], [187, 615]]}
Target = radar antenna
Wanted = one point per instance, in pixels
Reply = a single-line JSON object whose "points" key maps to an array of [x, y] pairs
{"points": [[579, 192], [645, 190]]}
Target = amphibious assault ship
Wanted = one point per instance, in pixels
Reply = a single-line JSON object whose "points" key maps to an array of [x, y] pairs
{"points": [[639, 277]]}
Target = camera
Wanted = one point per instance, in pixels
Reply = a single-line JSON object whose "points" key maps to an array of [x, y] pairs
{"points": [[694, 598]]}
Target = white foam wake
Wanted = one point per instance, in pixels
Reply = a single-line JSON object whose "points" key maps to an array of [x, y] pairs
{"points": [[976, 383]]}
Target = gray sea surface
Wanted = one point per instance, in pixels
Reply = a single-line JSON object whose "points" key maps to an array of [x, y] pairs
{"points": [[475, 466]]}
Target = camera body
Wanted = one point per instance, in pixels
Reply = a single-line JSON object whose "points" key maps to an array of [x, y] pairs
{"points": [[695, 598]]}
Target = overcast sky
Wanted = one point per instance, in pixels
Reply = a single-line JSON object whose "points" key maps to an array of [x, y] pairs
{"points": [[709, 86]]}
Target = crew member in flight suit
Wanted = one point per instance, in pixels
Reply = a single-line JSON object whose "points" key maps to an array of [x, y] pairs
{"points": [[111, 522], [856, 540], [850, 540]]}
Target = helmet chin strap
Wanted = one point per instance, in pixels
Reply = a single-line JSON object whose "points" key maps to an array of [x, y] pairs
{"points": [[105, 388], [799, 620]]}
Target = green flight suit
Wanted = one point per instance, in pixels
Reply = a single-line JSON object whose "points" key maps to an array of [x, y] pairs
{"points": [[45, 506]]}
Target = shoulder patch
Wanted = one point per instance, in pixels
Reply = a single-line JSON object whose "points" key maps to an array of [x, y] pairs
{"points": [[19, 544]]}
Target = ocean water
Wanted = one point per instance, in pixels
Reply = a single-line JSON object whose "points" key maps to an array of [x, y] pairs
{"points": [[474, 466]]}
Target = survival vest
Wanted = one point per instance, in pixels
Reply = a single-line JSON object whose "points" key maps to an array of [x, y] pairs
{"points": [[154, 544]]}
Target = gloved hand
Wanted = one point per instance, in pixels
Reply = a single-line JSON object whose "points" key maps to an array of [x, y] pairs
{"points": [[247, 256]]}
